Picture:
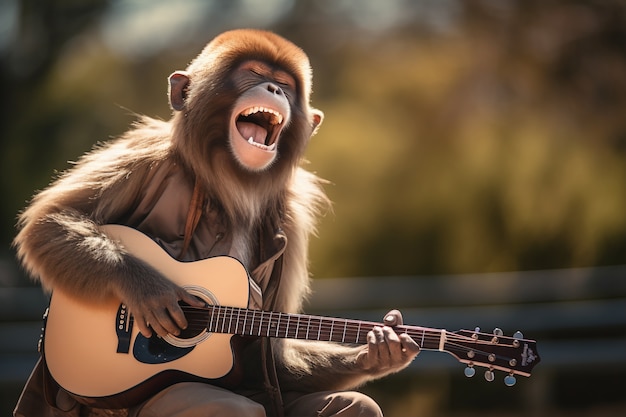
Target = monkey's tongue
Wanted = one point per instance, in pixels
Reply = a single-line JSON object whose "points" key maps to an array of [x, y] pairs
{"points": [[251, 130]]}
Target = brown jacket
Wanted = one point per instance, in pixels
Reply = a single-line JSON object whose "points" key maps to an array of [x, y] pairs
{"points": [[161, 213]]}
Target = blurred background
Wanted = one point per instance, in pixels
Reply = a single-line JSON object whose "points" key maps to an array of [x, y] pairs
{"points": [[475, 152]]}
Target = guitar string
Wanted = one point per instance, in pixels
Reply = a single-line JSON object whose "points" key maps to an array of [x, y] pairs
{"points": [[281, 319], [267, 321], [271, 319]]}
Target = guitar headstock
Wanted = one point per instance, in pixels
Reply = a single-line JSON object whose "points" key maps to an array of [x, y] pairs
{"points": [[513, 355]]}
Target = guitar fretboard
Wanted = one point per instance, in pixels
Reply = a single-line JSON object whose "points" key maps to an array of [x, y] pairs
{"points": [[249, 322]]}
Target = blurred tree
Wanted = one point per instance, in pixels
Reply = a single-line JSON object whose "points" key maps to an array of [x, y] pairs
{"points": [[497, 145], [28, 129]]}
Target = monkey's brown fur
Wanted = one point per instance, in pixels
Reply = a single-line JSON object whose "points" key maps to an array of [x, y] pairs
{"points": [[59, 241]]}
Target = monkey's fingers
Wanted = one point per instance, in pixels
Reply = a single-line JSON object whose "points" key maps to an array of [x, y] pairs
{"points": [[190, 299], [177, 318], [143, 326], [383, 352], [163, 322], [409, 346], [372, 348], [394, 345]]}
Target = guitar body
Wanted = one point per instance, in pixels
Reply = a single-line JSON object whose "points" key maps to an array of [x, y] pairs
{"points": [[83, 341]]}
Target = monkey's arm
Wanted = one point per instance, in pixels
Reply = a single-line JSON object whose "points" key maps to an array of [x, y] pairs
{"points": [[60, 244], [67, 251], [315, 366]]}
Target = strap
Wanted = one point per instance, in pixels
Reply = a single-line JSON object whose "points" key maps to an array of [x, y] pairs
{"points": [[270, 375], [196, 206]]}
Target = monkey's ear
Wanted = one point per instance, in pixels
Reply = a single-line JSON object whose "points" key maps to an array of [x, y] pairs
{"points": [[318, 117], [179, 81]]}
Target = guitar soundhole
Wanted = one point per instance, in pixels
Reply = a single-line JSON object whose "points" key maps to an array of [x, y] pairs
{"points": [[197, 320], [195, 326]]}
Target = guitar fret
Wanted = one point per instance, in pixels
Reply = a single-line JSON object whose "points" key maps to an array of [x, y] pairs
{"points": [[266, 322], [297, 327], [319, 329], [269, 322], [278, 324], [245, 319], [308, 328], [345, 326], [210, 326], [261, 323], [230, 321]]}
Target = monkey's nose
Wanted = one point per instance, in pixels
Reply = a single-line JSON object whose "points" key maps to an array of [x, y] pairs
{"points": [[274, 89]]}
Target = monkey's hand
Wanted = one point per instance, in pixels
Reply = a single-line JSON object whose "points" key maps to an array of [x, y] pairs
{"points": [[387, 351], [153, 302]]}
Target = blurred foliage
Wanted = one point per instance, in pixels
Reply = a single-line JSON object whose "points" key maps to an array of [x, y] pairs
{"points": [[464, 136], [479, 151]]}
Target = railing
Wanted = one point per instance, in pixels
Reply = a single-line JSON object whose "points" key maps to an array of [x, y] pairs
{"points": [[577, 316]]}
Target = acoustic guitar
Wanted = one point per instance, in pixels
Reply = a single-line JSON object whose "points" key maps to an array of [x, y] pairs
{"points": [[97, 355]]}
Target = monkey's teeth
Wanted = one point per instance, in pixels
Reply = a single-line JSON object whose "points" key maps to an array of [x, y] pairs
{"points": [[261, 146], [276, 118]]}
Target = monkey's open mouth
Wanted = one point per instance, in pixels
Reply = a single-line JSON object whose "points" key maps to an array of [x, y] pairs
{"points": [[260, 126]]}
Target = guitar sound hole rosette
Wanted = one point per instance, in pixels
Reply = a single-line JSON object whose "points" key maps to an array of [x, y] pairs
{"points": [[209, 298]]}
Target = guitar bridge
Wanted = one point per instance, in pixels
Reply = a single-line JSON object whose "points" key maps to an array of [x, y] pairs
{"points": [[123, 328]]}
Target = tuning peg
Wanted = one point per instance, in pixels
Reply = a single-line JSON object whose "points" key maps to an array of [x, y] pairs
{"points": [[509, 380], [475, 334], [518, 335], [469, 371], [497, 332], [489, 376]]}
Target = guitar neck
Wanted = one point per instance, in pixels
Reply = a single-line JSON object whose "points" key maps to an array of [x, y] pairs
{"points": [[494, 351], [248, 322]]}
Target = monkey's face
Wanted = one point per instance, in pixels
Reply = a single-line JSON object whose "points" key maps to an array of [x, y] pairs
{"points": [[260, 114], [244, 115]]}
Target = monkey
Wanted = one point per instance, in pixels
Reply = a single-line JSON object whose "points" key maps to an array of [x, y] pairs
{"points": [[223, 176]]}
